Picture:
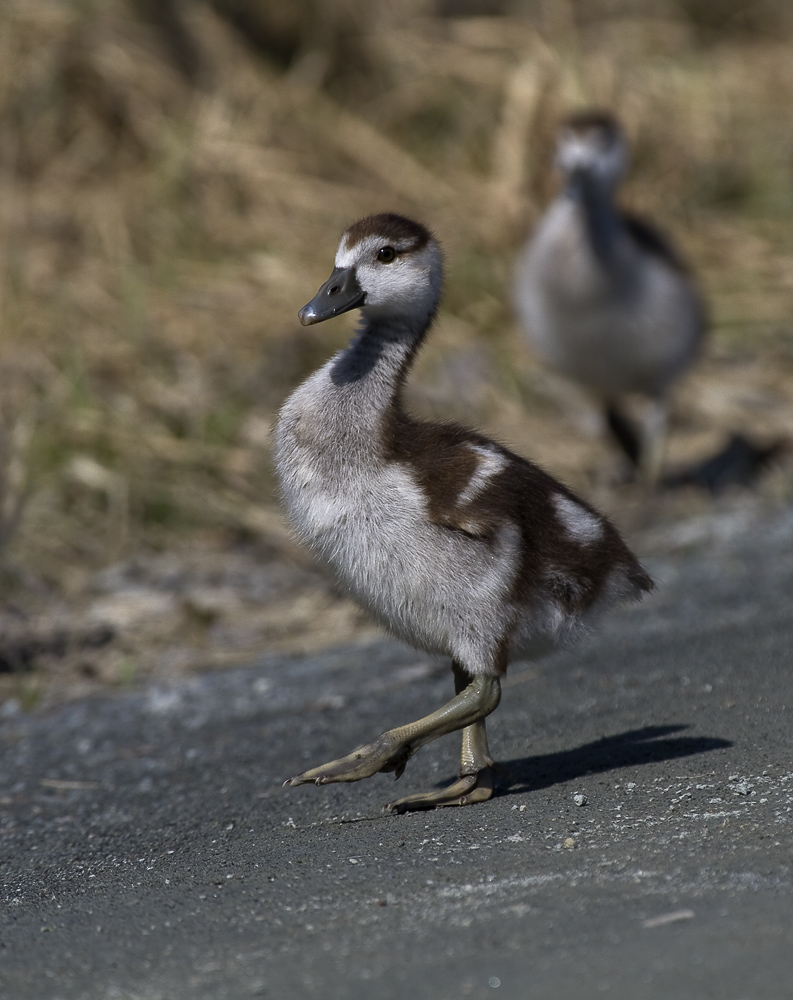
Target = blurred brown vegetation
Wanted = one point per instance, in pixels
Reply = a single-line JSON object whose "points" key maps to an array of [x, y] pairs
{"points": [[174, 177]]}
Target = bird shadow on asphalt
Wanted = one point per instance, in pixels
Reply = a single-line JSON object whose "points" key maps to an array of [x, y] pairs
{"points": [[649, 745]]}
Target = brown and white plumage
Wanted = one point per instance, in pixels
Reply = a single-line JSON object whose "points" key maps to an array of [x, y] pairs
{"points": [[448, 539]]}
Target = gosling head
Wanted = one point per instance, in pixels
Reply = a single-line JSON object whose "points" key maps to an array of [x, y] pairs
{"points": [[591, 147], [386, 265]]}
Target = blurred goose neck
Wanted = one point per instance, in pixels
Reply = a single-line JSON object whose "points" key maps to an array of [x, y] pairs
{"points": [[600, 215]]}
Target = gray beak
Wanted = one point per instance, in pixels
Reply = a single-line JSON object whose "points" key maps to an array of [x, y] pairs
{"points": [[340, 293]]}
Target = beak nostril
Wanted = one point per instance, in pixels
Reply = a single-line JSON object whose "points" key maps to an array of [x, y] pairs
{"points": [[340, 293]]}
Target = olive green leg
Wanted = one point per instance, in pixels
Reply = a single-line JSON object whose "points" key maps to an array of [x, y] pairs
{"points": [[475, 780], [653, 442], [475, 699]]}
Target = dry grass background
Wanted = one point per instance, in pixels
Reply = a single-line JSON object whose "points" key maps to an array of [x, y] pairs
{"points": [[174, 178]]}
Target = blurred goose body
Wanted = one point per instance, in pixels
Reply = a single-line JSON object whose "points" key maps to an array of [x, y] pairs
{"points": [[449, 540], [603, 297]]}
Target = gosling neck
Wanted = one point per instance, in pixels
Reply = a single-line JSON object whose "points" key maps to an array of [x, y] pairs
{"points": [[380, 355], [601, 217]]}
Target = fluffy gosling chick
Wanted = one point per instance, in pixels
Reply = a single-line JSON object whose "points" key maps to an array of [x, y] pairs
{"points": [[604, 297], [449, 540]]}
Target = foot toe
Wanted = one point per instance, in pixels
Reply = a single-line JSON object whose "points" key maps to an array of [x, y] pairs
{"points": [[386, 753], [467, 790]]}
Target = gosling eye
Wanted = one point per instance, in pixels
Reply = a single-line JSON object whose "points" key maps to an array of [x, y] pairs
{"points": [[386, 254]]}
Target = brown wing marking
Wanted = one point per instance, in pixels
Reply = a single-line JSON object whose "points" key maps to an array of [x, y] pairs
{"points": [[443, 463]]}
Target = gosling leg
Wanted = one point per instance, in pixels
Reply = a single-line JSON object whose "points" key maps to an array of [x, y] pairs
{"points": [[475, 781], [475, 778], [653, 446], [393, 749]]}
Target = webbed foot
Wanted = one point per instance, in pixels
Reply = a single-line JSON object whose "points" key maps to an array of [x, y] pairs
{"points": [[393, 749], [387, 753], [468, 789]]}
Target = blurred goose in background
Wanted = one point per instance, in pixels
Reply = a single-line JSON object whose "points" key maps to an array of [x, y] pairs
{"points": [[449, 540], [603, 297]]}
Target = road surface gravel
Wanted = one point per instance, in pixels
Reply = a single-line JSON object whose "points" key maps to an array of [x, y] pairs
{"points": [[640, 845]]}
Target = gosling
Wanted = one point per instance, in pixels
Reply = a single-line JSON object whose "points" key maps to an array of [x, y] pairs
{"points": [[603, 296], [446, 538]]}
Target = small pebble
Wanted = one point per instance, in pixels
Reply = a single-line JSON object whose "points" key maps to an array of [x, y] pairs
{"points": [[668, 918], [580, 799]]}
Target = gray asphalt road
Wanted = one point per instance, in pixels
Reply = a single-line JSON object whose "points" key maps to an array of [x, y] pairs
{"points": [[640, 848]]}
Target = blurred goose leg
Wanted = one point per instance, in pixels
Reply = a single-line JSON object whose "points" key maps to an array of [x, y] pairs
{"points": [[654, 425]]}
